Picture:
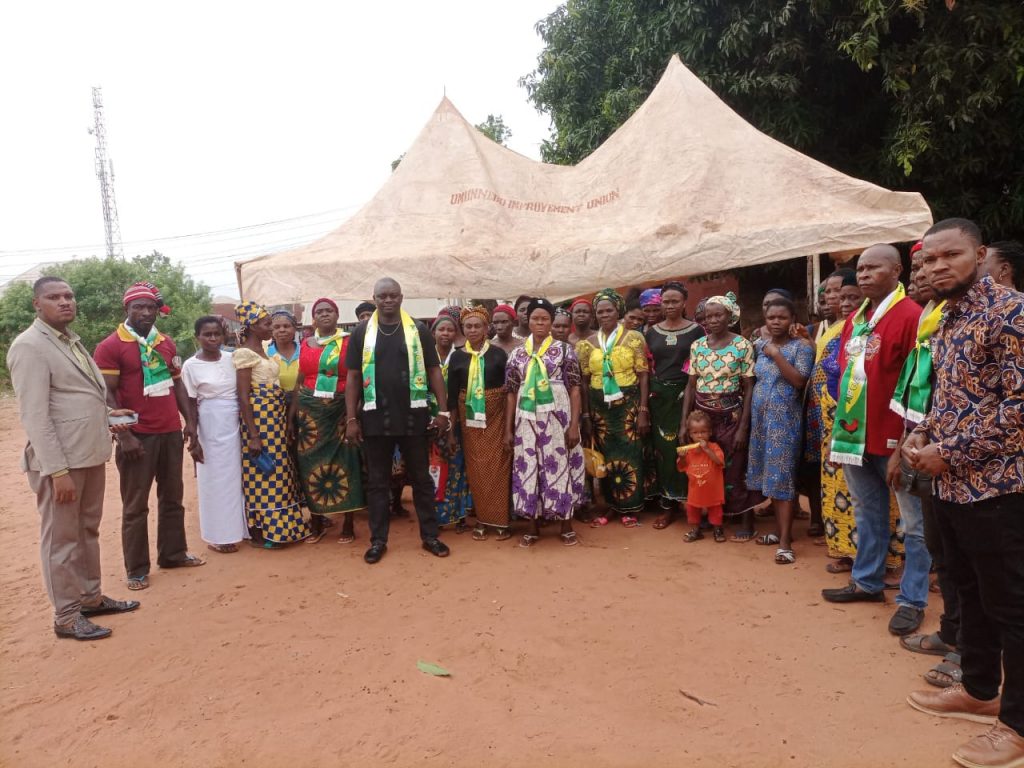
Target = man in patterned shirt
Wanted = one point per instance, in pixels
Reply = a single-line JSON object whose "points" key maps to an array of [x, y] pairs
{"points": [[972, 442]]}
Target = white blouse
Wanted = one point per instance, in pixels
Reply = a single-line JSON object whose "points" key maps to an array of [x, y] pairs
{"points": [[206, 380]]}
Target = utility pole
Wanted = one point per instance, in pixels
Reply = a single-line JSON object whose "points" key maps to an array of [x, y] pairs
{"points": [[105, 173]]}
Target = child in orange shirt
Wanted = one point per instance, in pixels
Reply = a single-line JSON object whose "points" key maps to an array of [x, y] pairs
{"points": [[704, 465]]}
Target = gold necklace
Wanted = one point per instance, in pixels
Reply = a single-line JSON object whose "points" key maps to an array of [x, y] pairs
{"points": [[380, 329]]}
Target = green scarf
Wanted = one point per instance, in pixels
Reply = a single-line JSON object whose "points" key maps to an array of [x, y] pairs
{"points": [[476, 402], [330, 359], [608, 382], [849, 432], [417, 368], [535, 395], [910, 400], [156, 376]]}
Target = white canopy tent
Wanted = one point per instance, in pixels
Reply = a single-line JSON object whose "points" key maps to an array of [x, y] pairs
{"points": [[684, 187]]}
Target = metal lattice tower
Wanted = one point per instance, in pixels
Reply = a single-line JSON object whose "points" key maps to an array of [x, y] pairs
{"points": [[105, 173]]}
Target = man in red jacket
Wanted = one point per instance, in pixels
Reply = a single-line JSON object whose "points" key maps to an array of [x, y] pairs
{"points": [[875, 342]]}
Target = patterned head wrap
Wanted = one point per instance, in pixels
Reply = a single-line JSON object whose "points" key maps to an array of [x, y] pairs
{"points": [[146, 290], [729, 303], [285, 313], [324, 300], [916, 247], [476, 311], [508, 309], [444, 317], [563, 312], [700, 306], [248, 312], [610, 294], [540, 303], [454, 312], [650, 298], [781, 292]]}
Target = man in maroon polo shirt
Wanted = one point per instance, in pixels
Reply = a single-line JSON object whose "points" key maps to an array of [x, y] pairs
{"points": [[153, 449]]}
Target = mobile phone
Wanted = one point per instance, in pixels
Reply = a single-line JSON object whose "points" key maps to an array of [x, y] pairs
{"points": [[118, 420]]}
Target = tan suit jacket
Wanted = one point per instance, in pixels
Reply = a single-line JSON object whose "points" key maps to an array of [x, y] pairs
{"points": [[63, 408]]}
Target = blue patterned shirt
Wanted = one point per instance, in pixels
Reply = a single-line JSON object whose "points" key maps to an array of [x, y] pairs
{"points": [[977, 414]]}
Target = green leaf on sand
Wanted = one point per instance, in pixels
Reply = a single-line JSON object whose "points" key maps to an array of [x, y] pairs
{"points": [[432, 669]]}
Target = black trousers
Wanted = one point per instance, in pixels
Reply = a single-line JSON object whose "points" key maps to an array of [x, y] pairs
{"points": [[379, 452], [161, 462], [983, 544], [949, 621]]}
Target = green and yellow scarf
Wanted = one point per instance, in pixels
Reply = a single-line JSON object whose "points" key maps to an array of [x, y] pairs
{"points": [[849, 433], [330, 359], [417, 368], [910, 400], [156, 376], [535, 395], [608, 382], [476, 401]]}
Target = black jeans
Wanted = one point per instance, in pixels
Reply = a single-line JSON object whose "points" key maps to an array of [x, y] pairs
{"points": [[949, 621], [984, 548], [380, 452]]}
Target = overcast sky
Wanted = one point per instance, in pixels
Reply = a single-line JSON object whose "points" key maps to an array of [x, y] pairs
{"points": [[222, 115]]}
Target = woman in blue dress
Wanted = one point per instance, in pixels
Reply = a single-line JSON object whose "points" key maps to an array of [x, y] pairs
{"points": [[782, 368]]}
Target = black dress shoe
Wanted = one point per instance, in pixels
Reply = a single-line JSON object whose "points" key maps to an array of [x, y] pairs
{"points": [[81, 629], [375, 552], [907, 619], [436, 547], [109, 605], [852, 594]]}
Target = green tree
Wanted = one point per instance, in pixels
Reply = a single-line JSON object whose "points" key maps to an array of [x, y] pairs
{"points": [[909, 94], [98, 285], [494, 128]]}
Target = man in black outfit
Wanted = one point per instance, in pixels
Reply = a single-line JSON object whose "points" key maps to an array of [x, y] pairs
{"points": [[394, 421]]}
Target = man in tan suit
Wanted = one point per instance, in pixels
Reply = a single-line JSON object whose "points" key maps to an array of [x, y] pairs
{"points": [[62, 399]]}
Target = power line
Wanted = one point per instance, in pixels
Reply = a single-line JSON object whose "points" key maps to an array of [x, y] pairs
{"points": [[169, 238]]}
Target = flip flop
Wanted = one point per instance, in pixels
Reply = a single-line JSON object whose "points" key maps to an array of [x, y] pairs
{"points": [[743, 537], [313, 538], [662, 522], [569, 539], [189, 561], [137, 583], [528, 540], [224, 549], [769, 539], [346, 538], [916, 644], [599, 522]]}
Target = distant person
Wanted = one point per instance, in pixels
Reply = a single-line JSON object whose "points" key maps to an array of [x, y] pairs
{"points": [[284, 348], [364, 310], [522, 328], [633, 316], [650, 305], [1004, 263], [972, 442], [63, 406], [392, 365], [503, 320], [874, 345], [583, 323], [562, 326], [142, 371]]}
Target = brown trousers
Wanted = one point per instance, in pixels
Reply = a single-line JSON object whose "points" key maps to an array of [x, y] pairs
{"points": [[161, 462], [69, 541]]}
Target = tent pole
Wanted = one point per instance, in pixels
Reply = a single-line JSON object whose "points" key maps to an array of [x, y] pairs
{"points": [[813, 279]]}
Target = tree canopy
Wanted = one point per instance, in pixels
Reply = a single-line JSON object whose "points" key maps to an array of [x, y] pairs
{"points": [[495, 129], [913, 95], [98, 285]]}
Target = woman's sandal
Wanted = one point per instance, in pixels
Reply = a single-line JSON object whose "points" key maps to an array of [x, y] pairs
{"points": [[503, 534], [719, 534], [694, 534], [224, 549], [528, 540], [346, 538], [946, 673], [628, 521], [479, 533], [569, 539], [769, 539], [841, 565], [599, 522], [931, 645], [784, 557], [313, 538], [661, 522]]}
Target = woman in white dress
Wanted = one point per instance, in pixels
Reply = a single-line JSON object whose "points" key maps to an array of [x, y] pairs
{"points": [[209, 379]]}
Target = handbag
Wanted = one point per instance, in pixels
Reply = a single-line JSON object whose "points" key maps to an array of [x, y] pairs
{"points": [[265, 463], [593, 462]]}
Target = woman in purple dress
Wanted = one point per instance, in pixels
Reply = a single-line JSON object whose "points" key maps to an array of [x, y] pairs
{"points": [[542, 428]]}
